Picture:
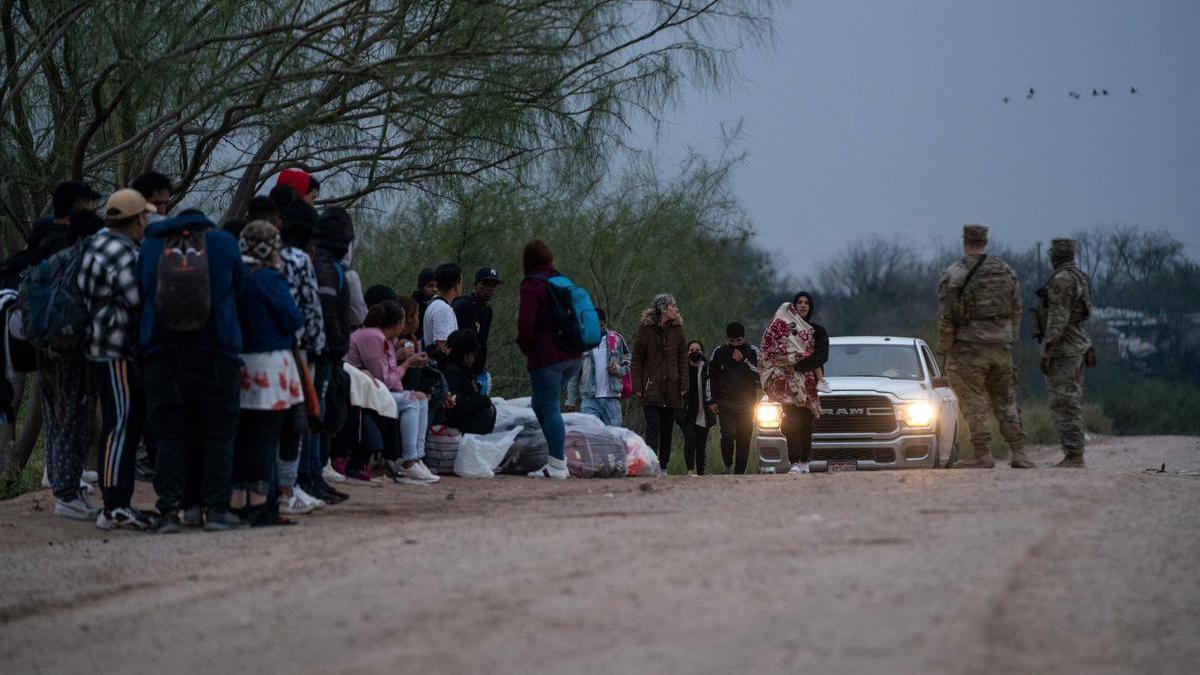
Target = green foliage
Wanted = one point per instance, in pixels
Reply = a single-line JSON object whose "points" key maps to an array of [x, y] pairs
{"points": [[1039, 427], [1153, 406]]}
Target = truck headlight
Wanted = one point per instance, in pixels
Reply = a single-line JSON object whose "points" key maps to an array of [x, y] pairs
{"points": [[768, 415], [918, 414]]}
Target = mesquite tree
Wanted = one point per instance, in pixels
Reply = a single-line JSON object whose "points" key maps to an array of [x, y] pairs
{"points": [[371, 95]]}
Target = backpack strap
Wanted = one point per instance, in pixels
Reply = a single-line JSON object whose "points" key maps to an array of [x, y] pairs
{"points": [[970, 274], [341, 274]]}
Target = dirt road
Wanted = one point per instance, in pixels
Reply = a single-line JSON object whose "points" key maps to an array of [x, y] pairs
{"points": [[923, 571]]}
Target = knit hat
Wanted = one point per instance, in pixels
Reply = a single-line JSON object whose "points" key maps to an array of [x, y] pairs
{"points": [[661, 302], [297, 179], [975, 233], [260, 241]]}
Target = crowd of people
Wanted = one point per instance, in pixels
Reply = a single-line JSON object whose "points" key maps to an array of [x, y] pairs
{"points": [[243, 369], [246, 372]]}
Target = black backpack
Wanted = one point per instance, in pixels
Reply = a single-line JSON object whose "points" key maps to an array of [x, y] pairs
{"points": [[183, 298]]}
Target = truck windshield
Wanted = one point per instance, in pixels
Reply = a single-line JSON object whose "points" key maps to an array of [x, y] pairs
{"points": [[898, 362]]}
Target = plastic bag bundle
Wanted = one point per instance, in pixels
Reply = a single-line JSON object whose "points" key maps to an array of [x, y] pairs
{"points": [[510, 416], [640, 459], [480, 455], [529, 452], [582, 421], [595, 453], [441, 449]]}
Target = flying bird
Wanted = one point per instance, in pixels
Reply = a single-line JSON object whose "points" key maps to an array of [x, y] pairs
{"points": [[1073, 94], [1031, 93], [1095, 93], [1132, 90], [1005, 99], [1104, 92]]}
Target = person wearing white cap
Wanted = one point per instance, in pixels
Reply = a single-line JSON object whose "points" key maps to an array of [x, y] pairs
{"points": [[108, 281]]}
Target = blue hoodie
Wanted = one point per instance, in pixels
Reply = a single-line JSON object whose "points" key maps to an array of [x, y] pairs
{"points": [[223, 334], [270, 317]]}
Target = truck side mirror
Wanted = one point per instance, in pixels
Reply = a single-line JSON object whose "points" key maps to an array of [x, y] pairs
{"points": [[939, 382]]}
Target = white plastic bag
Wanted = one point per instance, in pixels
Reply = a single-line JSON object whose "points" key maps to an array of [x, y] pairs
{"points": [[479, 455], [582, 421], [640, 458], [510, 416]]}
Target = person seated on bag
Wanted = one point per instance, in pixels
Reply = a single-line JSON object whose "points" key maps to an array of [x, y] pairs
{"points": [[471, 412], [373, 350]]}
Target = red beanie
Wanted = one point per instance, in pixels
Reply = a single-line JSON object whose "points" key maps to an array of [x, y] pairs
{"points": [[297, 179]]}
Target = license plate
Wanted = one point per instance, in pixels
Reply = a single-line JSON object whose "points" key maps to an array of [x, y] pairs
{"points": [[840, 467]]}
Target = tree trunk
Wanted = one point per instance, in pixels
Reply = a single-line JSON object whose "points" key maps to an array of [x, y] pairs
{"points": [[15, 455]]}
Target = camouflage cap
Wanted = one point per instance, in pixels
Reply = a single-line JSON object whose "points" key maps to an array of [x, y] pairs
{"points": [[975, 233], [1062, 247]]}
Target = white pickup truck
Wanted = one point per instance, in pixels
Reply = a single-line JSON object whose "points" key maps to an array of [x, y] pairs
{"points": [[889, 408]]}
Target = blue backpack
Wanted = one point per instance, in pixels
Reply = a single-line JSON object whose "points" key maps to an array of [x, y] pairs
{"points": [[54, 315], [576, 324]]}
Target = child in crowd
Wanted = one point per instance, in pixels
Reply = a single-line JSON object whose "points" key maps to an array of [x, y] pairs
{"points": [[472, 412], [270, 383]]}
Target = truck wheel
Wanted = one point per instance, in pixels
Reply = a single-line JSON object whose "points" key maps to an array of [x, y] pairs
{"points": [[953, 455]]}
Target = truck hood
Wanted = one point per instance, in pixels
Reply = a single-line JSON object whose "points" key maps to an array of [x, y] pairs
{"points": [[903, 389]]}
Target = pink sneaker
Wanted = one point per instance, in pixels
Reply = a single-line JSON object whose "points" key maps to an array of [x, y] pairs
{"points": [[360, 474], [338, 464]]}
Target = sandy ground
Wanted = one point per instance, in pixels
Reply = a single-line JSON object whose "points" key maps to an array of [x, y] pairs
{"points": [[923, 571]]}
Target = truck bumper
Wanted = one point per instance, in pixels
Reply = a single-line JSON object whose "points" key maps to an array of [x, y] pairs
{"points": [[903, 452]]}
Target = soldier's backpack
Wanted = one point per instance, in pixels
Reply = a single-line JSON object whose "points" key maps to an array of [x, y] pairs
{"points": [[183, 298], [576, 323], [990, 295], [54, 315]]}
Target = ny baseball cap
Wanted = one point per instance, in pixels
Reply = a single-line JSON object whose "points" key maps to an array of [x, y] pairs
{"points": [[487, 274]]}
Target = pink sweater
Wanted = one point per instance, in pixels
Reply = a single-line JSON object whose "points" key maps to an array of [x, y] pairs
{"points": [[372, 352]]}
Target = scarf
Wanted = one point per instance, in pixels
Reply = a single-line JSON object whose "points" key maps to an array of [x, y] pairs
{"points": [[787, 340], [260, 243]]}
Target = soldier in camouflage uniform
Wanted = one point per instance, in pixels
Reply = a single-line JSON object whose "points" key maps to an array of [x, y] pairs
{"points": [[1065, 305], [979, 320]]}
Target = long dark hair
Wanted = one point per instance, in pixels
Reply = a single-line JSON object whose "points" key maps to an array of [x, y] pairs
{"points": [[536, 254], [384, 315], [703, 355]]}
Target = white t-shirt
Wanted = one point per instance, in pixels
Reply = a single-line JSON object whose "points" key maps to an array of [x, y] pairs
{"points": [[439, 322], [600, 357]]}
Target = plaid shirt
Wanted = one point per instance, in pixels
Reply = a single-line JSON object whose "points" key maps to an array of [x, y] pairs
{"points": [[302, 281], [108, 280]]}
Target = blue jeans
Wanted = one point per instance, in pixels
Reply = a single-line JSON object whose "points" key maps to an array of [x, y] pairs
{"points": [[310, 452], [547, 384], [607, 409]]}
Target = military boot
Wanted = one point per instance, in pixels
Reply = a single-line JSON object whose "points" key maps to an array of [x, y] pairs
{"points": [[981, 460], [1020, 460], [1071, 460]]}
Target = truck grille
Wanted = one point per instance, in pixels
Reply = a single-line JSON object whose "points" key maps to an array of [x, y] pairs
{"points": [[855, 415], [877, 455]]}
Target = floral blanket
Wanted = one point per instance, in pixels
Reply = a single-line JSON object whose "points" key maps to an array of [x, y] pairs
{"points": [[788, 340]]}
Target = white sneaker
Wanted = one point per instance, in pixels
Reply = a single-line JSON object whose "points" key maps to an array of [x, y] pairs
{"points": [[77, 508], [824, 388], [294, 506], [331, 474], [308, 499], [551, 472], [85, 481], [417, 474], [122, 518], [800, 468]]}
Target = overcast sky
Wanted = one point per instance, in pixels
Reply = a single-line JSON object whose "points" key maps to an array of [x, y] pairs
{"points": [[886, 117]]}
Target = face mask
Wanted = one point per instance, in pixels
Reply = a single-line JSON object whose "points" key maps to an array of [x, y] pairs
{"points": [[695, 357]]}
